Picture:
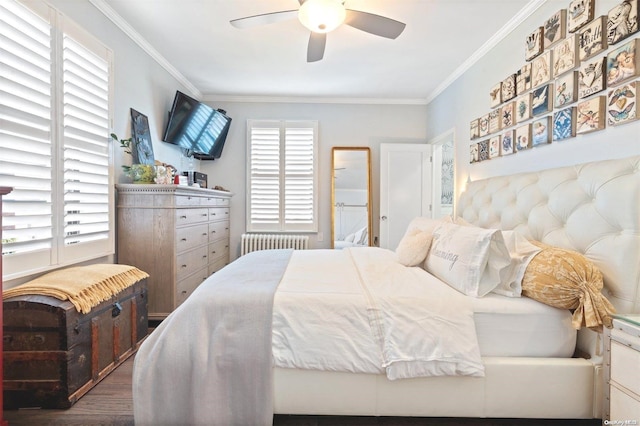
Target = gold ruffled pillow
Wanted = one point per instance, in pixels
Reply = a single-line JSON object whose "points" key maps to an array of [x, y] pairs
{"points": [[568, 280]]}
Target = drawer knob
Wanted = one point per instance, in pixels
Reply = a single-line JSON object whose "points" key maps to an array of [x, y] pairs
{"points": [[204, 215], [184, 239], [183, 266], [183, 217], [184, 291], [204, 233], [204, 256]]}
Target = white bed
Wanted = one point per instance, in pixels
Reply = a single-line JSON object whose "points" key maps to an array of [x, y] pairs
{"points": [[591, 208]]}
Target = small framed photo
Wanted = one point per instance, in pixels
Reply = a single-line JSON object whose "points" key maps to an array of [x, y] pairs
{"points": [[509, 88], [494, 146], [141, 135], [591, 77], [473, 153], [541, 131], [555, 28], [541, 69], [522, 137], [579, 14], [483, 125], [565, 55], [566, 90], [507, 143], [534, 44], [495, 95], [507, 113], [523, 79], [623, 63], [622, 21], [593, 39], [564, 124], [483, 150], [474, 130], [590, 115], [541, 100], [523, 108], [622, 104], [495, 123]]}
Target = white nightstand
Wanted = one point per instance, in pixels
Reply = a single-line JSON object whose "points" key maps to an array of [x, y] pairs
{"points": [[622, 371]]}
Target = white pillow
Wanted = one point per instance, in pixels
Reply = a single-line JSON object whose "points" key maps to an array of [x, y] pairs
{"points": [[521, 252], [413, 247], [468, 258], [360, 236], [349, 238]]}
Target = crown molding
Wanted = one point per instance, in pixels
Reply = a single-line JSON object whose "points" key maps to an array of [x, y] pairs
{"points": [[513, 23], [119, 21], [313, 100]]}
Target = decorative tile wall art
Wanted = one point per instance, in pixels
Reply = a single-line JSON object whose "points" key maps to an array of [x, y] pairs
{"points": [[495, 121], [622, 104], [564, 124], [622, 63], [523, 137], [565, 90], [590, 115], [591, 77], [507, 143], [541, 131], [474, 130], [541, 69], [495, 95], [483, 150], [580, 12], [555, 28], [483, 125], [622, 21], [533, 44], [507, 112], [541, 99], [494, 146], [473, 153], [565, 55], [523, 79], [509, 88], [593, 38], [523, 108]]}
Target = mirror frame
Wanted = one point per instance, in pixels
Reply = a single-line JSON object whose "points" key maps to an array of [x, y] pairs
{"points": [[334, 150]]}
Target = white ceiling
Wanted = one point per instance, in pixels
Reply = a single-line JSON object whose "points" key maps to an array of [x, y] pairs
{"points": [[441, 39]]}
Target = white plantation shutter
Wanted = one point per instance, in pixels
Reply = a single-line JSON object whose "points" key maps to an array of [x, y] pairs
{"points": [[282, 176], [54, 141]]}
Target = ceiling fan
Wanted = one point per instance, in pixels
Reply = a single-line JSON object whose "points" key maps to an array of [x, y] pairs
{"points": [[323, 16]]}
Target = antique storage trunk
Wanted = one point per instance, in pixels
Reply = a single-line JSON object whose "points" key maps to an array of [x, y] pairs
{"points": [[54, 354]]}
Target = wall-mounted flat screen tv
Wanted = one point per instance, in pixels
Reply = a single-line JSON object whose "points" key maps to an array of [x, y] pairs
{"points": [[197, 127]]}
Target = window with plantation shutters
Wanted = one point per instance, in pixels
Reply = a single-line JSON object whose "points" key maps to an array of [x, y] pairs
{"points": [[54, 146], [281, 194]]}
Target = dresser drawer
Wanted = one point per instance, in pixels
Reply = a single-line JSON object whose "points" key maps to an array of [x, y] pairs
{"points": [[218, 231], [623, 406], [187, 201], [216, 265], [189, 216], [625, 361], [218, 249], [191, 236], [185, 287], [190, 261], [218, 213]]}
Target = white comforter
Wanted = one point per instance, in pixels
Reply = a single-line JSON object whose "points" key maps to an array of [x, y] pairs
{"points": [[358, 310]]}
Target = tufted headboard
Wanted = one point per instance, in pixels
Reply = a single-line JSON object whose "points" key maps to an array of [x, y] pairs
{"points": [[593, 208]]}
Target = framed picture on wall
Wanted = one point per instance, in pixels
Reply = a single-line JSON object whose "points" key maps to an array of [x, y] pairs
{"points": [[473, 153], [564, 124], [483, 150], [143, 152], [507, 113], [590, 115], [565, 55], [495, 95], [580, 12], [506, 143], [541, 131], [623, 63], [622, 104], [541, 99], [565, 90], [541, 69], [508, 88], [591, 77], [555, 28], [593, 38], [483, 125], [534, 44], [622, 21], [495, 123], [523, 108], [474, 131], [523, 79], [522, 137]]}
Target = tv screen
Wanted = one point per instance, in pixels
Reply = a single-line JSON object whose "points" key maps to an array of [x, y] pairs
{"points": [[197, 127]]}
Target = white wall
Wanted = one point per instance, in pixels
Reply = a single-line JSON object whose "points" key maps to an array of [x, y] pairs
{"points": [[468, 98], [339, 125]]}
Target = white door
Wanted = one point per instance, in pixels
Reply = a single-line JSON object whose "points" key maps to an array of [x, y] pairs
{"points": [[405, 188]]}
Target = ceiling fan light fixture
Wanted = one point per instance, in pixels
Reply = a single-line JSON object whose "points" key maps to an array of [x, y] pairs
{"points": [[322, 16]]}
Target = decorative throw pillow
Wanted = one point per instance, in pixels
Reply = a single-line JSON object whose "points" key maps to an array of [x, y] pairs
{"points": [[521, 252], [468, 258], [568, 280], [413, 248]]}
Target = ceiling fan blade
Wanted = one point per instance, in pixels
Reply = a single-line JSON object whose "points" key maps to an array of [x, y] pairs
{"points": [[374, 24], [315, 50], [264, 19]]}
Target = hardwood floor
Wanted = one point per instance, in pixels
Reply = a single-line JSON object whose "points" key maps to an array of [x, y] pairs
{"points": [[110, 403]]}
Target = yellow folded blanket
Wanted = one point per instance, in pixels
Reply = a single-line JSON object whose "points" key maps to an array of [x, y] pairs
{"points": [[84, 286]]}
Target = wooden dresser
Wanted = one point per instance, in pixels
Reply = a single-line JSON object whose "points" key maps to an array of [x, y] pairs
{"points": [[3, 191], [178, 234]]}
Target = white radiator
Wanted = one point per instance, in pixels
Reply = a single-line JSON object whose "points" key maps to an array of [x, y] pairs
{"points": [[254, 242]]}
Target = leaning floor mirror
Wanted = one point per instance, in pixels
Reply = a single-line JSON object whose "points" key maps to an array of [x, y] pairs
{"points": [[350, 197]]}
